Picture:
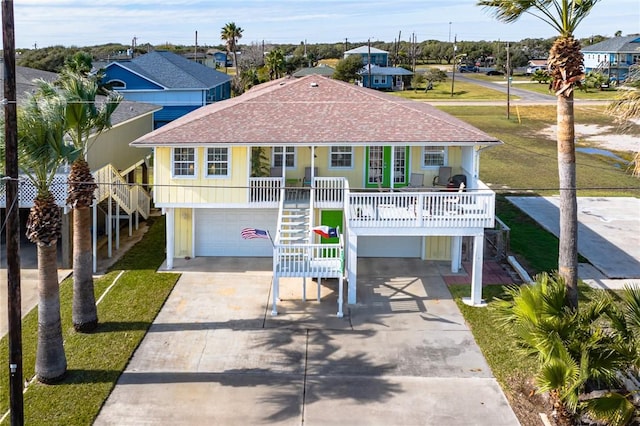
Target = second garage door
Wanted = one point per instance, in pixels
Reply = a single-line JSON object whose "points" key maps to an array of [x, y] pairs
{"points": [[217, 232]]}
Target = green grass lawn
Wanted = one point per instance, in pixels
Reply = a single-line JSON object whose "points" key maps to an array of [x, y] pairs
{"points": [[527, 161], [462, 91], [95, 360]]}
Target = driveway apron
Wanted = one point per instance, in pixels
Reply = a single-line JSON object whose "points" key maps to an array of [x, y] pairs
{"points": [[402, 355]]}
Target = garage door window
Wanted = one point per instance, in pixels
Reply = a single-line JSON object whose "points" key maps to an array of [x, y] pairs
{"points": [[218, 162], [183, 162]]}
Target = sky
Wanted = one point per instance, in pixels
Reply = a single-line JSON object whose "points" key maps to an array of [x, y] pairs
{"points": [[42, 23]]}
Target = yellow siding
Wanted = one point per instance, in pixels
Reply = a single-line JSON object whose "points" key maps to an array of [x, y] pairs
{"points": [[202, 189], [231, 190], [454, 160], [112, 145], [438, 248], [183, 236], [303, 159]]}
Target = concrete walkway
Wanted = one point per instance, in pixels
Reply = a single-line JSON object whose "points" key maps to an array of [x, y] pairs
{"points": [[214, 355], [608, 235]]}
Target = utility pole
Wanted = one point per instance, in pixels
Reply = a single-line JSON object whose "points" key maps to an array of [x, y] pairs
{"points": [[16, 403], [346, 41], [195, 50], [508, 82], [453, 74], [369, 61]]}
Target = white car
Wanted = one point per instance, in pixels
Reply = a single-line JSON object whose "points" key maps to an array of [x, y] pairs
{"points": [[531, 70]]}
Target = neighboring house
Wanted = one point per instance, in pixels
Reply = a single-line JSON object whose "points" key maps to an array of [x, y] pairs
{"points": [[370, 55], [114, 163], [220, 58], [172, 81], [354, 158], [379, 75], [384, 78], [201, 58], [613, 57], [536, 65]]}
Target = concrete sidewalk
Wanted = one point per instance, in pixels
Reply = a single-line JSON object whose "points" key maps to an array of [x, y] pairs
{"points": [[214, 355], [608, 235]]}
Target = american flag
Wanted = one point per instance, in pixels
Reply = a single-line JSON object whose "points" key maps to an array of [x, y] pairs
{"points": [[251, 233]]}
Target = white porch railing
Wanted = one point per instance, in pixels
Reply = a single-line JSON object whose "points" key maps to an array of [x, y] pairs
{"points": [[309, 260], [421, 209], [265, 191], [130, 197], [329, 192]]}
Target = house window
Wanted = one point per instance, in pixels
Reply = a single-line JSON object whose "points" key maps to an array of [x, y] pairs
{"points": [[341, 157], [218, 162], [290, 156], [433, 156], [116, 84], [184, 162]]}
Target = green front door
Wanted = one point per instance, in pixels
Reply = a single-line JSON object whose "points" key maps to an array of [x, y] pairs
{"points": [[379, 161], [332, 218]]}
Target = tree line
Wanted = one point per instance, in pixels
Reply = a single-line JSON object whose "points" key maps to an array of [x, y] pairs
{"points": [[304, 54]]}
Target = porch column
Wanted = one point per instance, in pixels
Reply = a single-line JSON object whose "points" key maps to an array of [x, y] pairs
{"points": [[393, 168], [456, 254], [476, 275], [352, 253], [170, 219], [94, 231]]}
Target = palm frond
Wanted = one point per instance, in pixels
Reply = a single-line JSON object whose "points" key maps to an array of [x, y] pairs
{"points": [[563, 16], [613, 409]]}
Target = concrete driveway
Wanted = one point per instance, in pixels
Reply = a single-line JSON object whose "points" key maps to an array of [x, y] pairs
{"points": [[214, 355], [608, 235]]}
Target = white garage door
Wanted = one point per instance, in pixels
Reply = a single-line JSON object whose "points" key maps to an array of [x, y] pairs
{"points": [[389, 246], [218, 232]]}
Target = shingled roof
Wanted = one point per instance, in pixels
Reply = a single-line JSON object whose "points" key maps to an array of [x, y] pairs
{"points": [[173, 71], [625, 44], [25, 85], [316, 110]]}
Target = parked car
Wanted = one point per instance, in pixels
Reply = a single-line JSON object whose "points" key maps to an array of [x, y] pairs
{"points": [[468, 68], [494, 72], [532, 70]]}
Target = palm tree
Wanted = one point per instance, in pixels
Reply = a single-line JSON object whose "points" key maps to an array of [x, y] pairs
{"points": [[275, 63], [565, 68], [231, 33], [41, 126], [84, 117], [576, 351]]}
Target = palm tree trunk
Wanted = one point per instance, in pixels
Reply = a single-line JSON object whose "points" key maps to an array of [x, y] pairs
{"points": [[568, 244], [51, 361], [85, 313]]}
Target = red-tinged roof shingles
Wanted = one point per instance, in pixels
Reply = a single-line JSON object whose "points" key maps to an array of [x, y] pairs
{"points": [[315, 110]]}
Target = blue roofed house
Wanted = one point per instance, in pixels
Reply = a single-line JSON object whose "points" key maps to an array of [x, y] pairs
{"points": [[169, 80], [376, 73], [613, 57]]}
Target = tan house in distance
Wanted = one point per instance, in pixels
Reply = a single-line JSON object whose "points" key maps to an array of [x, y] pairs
{"points": [[399, 178]]}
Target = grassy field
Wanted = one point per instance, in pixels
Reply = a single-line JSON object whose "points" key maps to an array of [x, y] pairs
{"points": [[527, 161], [462, 91]]}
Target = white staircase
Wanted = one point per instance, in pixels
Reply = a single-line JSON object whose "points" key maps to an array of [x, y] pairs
{"points": [[296, 255], [294, 225]]}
